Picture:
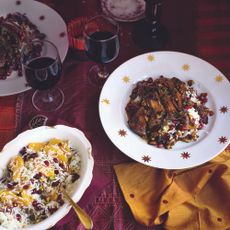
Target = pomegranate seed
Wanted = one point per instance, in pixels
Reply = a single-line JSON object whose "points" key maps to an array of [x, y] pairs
{"points": [[38, 176], [55, 183], [22, 151], [60, 199], [33, 155], [26, 186], [190, 82], [25, 158], [36, 191], [56, 171], [10, 186], [18, 216], [201, 126], [34, 203], [211, 113], [203, 95], [75, 177], [55, 160], [187, 107], [61, 202], [52, 210], [183, 127], [203, 101], [46, 163], [62, 166]]}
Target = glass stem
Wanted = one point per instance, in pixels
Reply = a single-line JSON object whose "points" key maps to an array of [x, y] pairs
{"points": [[103, 73], [48, 97]]}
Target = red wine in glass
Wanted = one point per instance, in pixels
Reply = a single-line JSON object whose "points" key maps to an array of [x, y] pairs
{"points": [[43, 73], [42, 69], [101, 45]]}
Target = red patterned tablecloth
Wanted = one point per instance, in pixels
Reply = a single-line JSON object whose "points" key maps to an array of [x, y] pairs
{"points": [[200, 27]]}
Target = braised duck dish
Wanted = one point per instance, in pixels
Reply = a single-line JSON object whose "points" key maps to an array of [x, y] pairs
{"points": [[164, 111]]}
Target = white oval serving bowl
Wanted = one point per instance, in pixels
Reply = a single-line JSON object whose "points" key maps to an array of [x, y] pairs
{"points": [[41, 134]]}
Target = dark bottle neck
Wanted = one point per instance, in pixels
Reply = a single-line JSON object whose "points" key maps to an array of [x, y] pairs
{"points": [[153, 10]]}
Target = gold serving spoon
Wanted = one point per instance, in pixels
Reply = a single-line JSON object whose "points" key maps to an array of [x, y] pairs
{"points": [[82, 215]]}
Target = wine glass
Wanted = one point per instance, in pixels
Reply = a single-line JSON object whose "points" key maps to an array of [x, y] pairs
{"points": [[43, 68], [101, 45]]}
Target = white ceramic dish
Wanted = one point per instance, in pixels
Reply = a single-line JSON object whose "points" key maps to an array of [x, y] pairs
{"points": [[48, 21], [117, 89], [44, 133], [124, 10]]}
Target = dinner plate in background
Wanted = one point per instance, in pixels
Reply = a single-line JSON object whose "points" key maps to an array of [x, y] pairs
{"points": [[124, 10], [115, 96], [48, 22]]}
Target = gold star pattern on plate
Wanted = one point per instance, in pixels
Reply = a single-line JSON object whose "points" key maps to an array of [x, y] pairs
{"points": [[146, 158], [105, 101], [222, 140], [151, 57], [219, 78], [126, 79], [186, 67], [122, 133], [185, 155], [224, 109]]}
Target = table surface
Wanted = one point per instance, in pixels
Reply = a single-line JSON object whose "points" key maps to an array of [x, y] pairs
{"points": [[200, 28]]}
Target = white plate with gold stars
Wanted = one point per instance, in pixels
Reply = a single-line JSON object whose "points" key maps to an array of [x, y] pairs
{"points": [[48, 22], [115, 93]]}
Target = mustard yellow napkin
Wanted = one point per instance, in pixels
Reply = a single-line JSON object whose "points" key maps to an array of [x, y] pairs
{"points": [[197, 198]]}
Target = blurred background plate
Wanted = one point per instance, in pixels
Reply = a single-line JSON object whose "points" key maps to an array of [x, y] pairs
{"points": [[48, 22], [124, 10]]}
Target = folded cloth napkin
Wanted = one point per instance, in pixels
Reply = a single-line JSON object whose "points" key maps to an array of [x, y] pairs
{"points": [[197, 198]]}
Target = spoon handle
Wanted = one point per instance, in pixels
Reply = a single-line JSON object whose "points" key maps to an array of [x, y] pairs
{"points": [[82, 215]]}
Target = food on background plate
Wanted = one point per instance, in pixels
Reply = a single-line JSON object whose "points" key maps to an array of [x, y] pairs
{"points": [[125, 10], [30, 188], [164, 111], [15, 30]]}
